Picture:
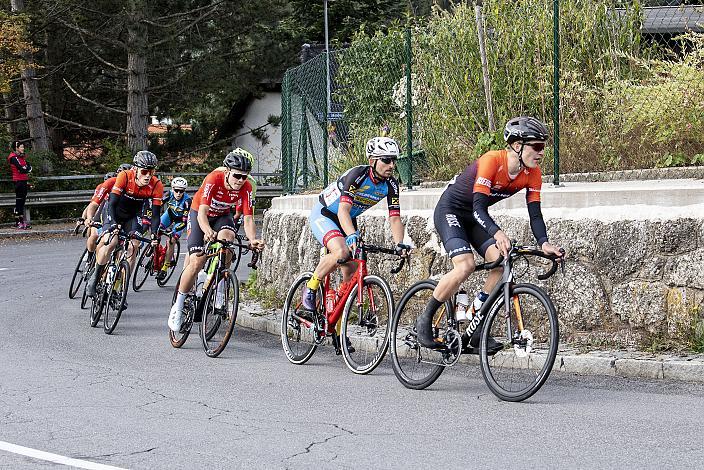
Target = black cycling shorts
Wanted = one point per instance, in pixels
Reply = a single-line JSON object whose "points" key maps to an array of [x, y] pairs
{"points": [[196, 235], [459, 232]]}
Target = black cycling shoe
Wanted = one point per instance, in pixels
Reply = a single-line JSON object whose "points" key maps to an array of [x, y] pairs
{"points": [[338, 345], [93, 280], [161, 275], [471, 346], [424, 332]]}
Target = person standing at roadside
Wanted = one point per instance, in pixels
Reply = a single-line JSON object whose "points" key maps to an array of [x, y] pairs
{"points": [[20, 176]]}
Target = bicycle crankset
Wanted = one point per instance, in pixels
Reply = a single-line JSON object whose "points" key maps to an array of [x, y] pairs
{"points": [[523, 343]]}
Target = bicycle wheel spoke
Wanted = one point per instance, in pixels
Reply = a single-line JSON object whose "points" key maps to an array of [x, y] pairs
{"points": [[415, 367], [366, 325], [298, 332], [522, 366]]}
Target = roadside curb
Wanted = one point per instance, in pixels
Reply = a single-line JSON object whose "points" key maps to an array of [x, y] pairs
{"points": [[609, 363], [31, 233]]}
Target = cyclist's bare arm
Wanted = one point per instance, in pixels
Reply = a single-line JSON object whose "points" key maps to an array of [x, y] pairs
{"points": [[251, 231], [397, 228], [209, 234]]}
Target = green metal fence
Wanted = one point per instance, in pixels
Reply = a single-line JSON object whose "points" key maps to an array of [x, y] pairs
{"points": [[625, 89]]}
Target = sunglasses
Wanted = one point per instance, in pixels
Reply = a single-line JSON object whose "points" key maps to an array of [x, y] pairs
{"points": [[145, 171], [387, 160], [537, 146], [178, 191], [239, 176]]}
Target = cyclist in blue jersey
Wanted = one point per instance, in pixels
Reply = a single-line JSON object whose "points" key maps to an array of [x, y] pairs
{"points": [[176, 206], [334, 218]]}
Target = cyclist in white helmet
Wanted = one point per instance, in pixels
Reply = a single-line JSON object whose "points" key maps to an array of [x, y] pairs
{"points": [[176, 206]]}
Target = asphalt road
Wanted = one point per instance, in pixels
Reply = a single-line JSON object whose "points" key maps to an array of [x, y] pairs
{"points": [[129, 400]]}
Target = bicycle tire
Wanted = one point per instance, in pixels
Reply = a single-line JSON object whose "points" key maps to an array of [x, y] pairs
{"points": [[77, 276], [292, 331], [179, 339], [96, 307], [368, 330], [84, 299], [237, 256], [172, 268], [116, 304], [536, 360], [219, 321], [86, 276], [411, 368], [142, 269]]}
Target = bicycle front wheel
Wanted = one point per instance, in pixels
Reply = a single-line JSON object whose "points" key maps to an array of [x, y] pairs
{"points": [[220, 304], [142, 269], [179, 339], [365, 325], [115, 297], [298, 331], [416, 367], [529, 331], [172, 268], [77, 278]]}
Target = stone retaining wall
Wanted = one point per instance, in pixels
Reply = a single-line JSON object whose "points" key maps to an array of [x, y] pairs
{"points": [[630, 283]]}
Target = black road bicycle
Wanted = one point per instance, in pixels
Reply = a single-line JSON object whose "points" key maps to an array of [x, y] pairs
{"points": [[214, 304], [519, 315]]}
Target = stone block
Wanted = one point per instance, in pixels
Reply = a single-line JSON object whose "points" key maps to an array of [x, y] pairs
{"points": [[585, 364], [642, 368], [690, 371], [641, 304]]}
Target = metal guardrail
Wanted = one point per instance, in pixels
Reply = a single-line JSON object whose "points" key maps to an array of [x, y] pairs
{"points": [[82, 196], [256, 176]]}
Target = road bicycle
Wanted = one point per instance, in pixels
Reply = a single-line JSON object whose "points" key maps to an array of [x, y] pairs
{"points": [[519, 315], [213, 301], [151, 260], [84, 267], [111, 289], [365, 305]]}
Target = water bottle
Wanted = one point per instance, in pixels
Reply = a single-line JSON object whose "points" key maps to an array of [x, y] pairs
{"points": [[330, 300], [461, 307], [200, 282]]}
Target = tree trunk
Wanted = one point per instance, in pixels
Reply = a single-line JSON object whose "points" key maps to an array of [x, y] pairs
{"points": [[137, 107], [35, 115], [10, 115]]}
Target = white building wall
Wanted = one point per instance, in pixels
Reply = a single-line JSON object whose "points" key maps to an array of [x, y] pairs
{"points": [[267, 157]]}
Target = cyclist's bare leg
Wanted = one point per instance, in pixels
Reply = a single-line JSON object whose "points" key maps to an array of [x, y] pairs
{"points": [[169, 250], [492, 254], [92, 240], [337, 250], [462, 267], [195, 262], [134, 248], [230, 236], [105, 250]]}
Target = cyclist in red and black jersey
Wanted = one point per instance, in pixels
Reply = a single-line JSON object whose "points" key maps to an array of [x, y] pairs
{"points": [[125, 202], [20, 169], [463, 222], [93, 211], [210, 218]]}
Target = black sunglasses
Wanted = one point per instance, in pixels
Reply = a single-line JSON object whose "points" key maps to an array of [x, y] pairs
{"points": [[178, 190], [238, 176], [537, 146], [387, 160]]}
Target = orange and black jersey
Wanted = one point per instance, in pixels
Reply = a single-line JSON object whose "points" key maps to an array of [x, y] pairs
{"points": [[127, 198], [487, 181]]}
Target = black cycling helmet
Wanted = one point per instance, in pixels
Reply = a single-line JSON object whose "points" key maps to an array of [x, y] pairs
{"points": [[525, 128], [145, 159], [124, 167], [238, 159], [109, 175]]}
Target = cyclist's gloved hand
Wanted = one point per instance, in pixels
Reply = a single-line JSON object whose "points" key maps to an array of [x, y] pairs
{"points": [[352, 239], [114, 227], [155, 239], [403, 250]]}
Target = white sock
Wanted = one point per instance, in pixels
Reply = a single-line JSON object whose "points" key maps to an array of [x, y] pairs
{"points": [[180, 300], [220, 294]]}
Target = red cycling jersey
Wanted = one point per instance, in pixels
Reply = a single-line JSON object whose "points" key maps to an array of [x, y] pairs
{"points": [[220, 199], [102, 191]]}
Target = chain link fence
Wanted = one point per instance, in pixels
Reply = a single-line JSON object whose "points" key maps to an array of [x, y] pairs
{"points": [[631, 89]]}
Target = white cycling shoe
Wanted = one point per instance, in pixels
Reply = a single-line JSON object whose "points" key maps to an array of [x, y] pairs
{"points": [[175, 318]]}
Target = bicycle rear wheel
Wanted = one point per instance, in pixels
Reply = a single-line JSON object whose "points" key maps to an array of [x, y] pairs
{"points": [[115, 297], [172, 268], [220, 304], [142, 269], [522, 367], [97, 304], [298, 338], [366, 323], [179, 339], [416, 367], [77, 278]]}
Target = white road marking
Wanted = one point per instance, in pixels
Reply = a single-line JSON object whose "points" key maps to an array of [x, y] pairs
{"points": [[4, 269], [60, 459]]}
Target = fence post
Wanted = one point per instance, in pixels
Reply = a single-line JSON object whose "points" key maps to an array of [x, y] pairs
{"points": [[485, 68], [326, 122], [409, 105], [556, 92], [286, 149]]}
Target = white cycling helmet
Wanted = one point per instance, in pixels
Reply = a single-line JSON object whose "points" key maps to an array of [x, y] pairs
{"points": [[379, 147], [179, 183]]}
